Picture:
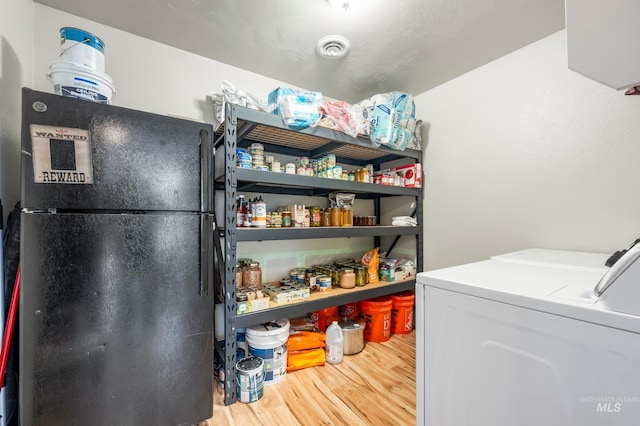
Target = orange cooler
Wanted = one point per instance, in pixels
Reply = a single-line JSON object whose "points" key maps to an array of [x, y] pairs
{"points": [[402, 312], [377, 314]]}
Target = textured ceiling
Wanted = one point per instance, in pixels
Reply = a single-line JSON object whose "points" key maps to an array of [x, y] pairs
{"points": [[406, 45]]}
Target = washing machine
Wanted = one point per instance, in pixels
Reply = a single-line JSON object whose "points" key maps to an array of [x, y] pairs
{"points": [[530, 338]]}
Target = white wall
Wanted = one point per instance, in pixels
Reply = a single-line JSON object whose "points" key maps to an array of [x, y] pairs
{"points": [[16, 65], [524, 153], [147, 75]]}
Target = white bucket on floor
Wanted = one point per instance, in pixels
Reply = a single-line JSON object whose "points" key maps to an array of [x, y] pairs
{"points": [[269, 342], [76, 81], [250, 379], [82, 48]]}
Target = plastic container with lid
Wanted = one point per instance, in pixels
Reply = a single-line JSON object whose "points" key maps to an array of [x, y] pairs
{"points": [[334, 342]]}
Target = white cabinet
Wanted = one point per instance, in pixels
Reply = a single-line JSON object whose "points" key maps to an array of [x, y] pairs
{"points": [[603, 38]]}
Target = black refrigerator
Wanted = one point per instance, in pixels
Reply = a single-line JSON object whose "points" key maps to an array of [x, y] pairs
{"points": [[115, 316]]}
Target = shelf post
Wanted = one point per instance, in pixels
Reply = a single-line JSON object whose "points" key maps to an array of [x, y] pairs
{"points": [[229, 362]]}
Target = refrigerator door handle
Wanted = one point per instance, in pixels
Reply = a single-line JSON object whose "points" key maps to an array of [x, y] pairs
{"points": [[207, 226]]}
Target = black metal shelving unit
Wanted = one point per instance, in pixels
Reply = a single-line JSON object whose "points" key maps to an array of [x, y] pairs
{"points": [[241, 128]]}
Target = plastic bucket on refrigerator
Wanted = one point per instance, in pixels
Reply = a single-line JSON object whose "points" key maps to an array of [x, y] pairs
{"points": [[81, 48], [77, 81]]}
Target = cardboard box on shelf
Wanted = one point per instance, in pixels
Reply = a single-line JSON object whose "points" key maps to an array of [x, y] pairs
{"points": [[410, 175]]}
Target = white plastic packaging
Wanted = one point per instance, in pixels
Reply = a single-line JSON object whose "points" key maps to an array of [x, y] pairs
{"points": [[334, 342]]}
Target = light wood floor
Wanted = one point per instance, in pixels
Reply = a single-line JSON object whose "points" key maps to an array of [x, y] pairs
{"points": [[375, 387]]}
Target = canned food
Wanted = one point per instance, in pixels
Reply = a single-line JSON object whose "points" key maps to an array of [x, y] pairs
{"points": [[290, 168], [324, 282]]}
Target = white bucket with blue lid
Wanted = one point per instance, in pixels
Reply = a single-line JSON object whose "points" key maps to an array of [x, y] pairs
{"points": [[75, 81], [81, 48]]}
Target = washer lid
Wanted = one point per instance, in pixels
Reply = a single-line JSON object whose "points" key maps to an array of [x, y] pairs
{"points": [[558, 290], [557, 259]]}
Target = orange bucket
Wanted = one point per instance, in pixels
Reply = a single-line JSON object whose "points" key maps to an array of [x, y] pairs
{"points": [[349, 311], [402, 312], [377, 314], [322, 318]]}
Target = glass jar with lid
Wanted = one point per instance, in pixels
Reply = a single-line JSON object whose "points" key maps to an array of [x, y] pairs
{"points": [[326, 217], [252, 275], [286, 219], [315, 217], [347, 215], [361, 276], [238, 275], [347, 278], [336, 216]]}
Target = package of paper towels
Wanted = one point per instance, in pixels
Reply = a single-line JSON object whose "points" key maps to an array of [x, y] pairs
{"points": [[390, 112], [297, 108]]}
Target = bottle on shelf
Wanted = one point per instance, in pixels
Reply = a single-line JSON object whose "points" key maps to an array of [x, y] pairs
{"points": [[248, 217], [241, 211], [260, 213], [334, 342]]}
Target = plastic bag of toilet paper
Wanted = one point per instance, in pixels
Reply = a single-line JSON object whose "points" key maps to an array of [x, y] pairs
{"points": [[338, 115], [232, 94], [298, 109], [389, 110], [414, 127]]}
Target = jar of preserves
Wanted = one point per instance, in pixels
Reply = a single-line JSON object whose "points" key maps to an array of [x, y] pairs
{"points": [[336, 216], [252, 275], [361, 276], [347, 216], [286, 219], [242, 303], [335, 277], [347, 278], [326, 217], [276, 220], [315, 217]]}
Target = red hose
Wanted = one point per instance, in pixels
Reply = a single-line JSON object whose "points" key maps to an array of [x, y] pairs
{"points": [[8, 329]]}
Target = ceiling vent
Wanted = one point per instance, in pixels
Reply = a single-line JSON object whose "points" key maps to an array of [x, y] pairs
{"points": [[333, 46]]}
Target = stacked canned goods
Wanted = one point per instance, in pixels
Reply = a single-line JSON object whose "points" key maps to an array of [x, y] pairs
{"points": [[257, 157], [244, 158]]}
